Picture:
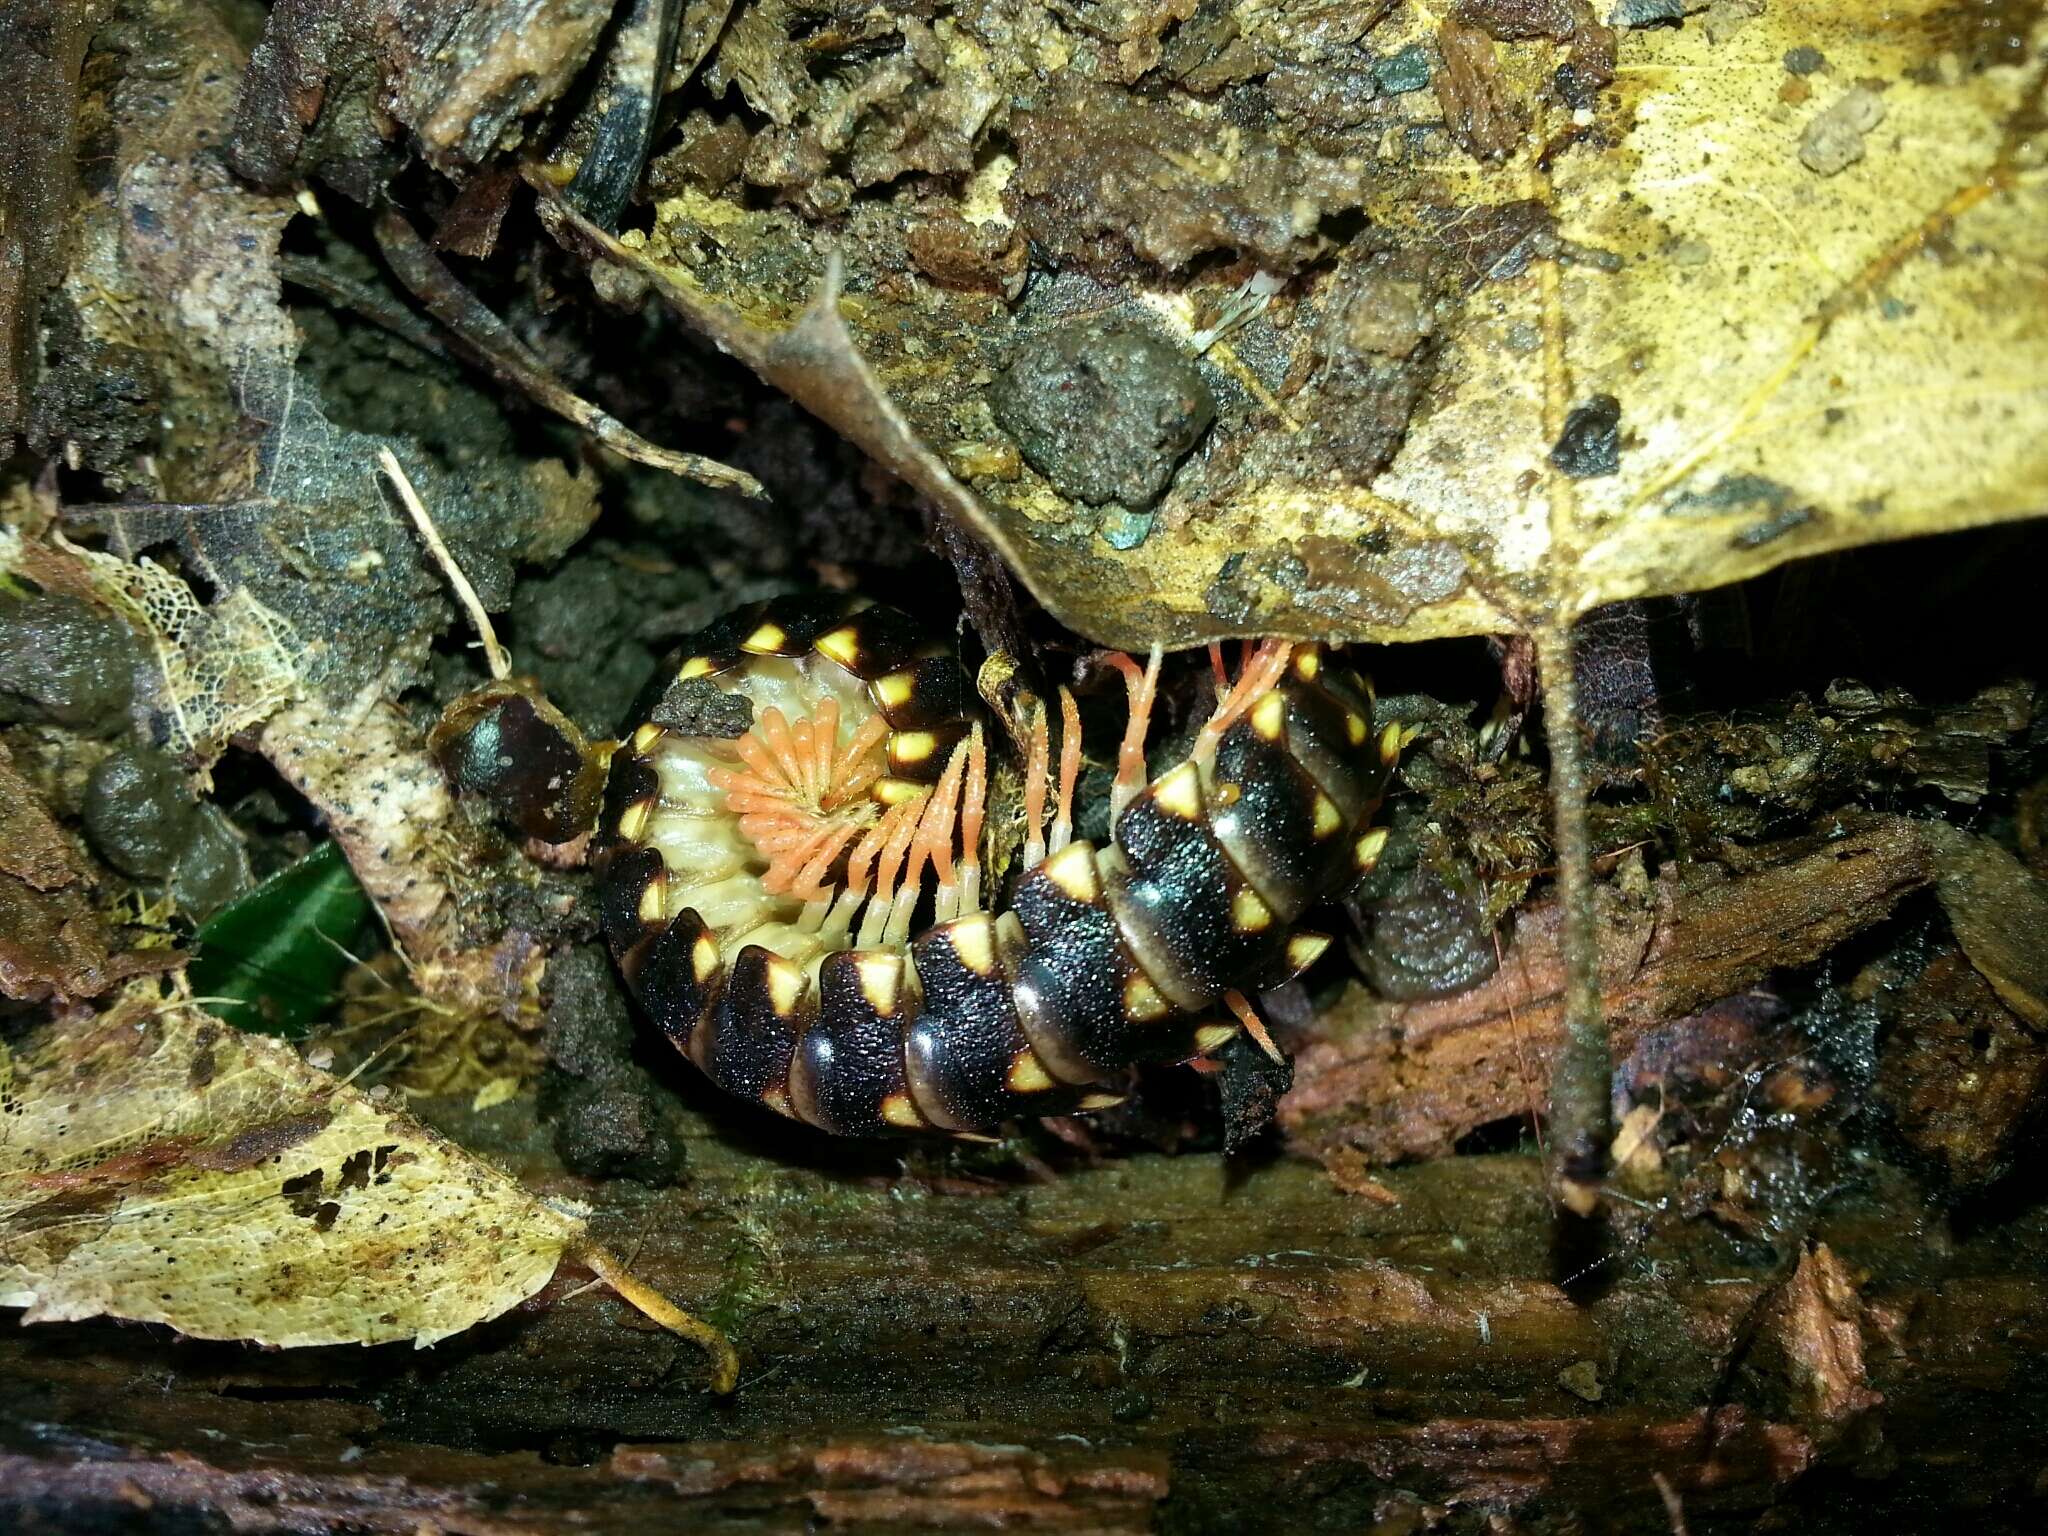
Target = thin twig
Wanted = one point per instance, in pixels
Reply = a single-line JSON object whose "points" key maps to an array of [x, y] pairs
{"points": [[1673, 1507], [643, 1298], [480, 335], [1579, 1084], [501, 664], [373, 304]]}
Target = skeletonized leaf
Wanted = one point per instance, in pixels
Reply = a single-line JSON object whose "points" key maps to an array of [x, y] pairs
{"points": [[159, 1166]]}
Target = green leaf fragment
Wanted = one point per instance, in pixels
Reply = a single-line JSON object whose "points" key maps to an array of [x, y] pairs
{"points": [[270, 963]]}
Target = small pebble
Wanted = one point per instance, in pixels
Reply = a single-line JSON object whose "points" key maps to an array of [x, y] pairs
{"points": [[1582, 1381], [1105, 409], [1833, 140], [1125, 530], [1651, 13], [1400, 73], [1590, 444]]}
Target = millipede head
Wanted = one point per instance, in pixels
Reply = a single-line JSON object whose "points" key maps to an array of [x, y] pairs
{"points": [[506, 744]]}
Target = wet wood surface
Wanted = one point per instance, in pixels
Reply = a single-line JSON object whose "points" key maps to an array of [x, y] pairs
{"points": [[1154, 1343], [1406, 1080]]}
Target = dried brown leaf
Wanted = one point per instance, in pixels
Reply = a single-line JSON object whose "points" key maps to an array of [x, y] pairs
{"points": [[32, 850], [53, 940]]}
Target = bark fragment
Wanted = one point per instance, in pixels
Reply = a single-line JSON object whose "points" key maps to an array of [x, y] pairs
{"points": [[42, 48], [1106, 180], [1813, 1333], [1959, 1073], [53, 941], [329, 77], [1407, 1080], [916, 1482], [1999, 910], [1477, 109]]}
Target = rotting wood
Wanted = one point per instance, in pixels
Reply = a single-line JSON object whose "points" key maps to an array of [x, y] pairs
{"points": [[1155, 1344], [1407, 1080], [875, 1483], [42, 49]]}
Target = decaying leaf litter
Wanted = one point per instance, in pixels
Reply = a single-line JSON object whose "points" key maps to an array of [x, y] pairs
{"points": [[1398, 322]]}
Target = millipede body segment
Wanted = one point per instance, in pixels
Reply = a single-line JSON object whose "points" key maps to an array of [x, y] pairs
{"points": [[759, 889]]}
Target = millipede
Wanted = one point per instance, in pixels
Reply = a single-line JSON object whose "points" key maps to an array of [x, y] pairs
{"points": [[760, 875]]}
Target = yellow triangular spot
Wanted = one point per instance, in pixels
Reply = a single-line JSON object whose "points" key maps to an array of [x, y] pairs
{"points": [[1027, 1073], [842, 646], [1180, 793], [1072, 871]]}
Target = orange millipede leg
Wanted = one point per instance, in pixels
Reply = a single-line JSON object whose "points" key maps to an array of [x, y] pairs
{"points": [[810, 881], [1253, 1024], [824, 732], [1037, 770], [933, 845], [773, 729], [902, 821], [1262, 673], [973, 806], [859, 765], [1130, 756], [1070, 771]]}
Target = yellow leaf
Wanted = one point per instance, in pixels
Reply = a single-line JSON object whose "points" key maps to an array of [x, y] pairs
{"points": [[158, 1165], [1808, 353]]}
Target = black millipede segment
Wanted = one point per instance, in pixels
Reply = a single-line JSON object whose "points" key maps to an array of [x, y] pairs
{"points": [[1292, 785], [1319, 732], [1185, 905], [930, 693], [779, 626], [1264, 812], [848, 1075], [680, 980], [654, 955], [747, 1042], [630, 781], [1086, 1002], [971, 1065]]}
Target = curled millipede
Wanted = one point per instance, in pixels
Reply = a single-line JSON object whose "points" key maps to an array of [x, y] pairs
{"points": [[759, 889]]}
